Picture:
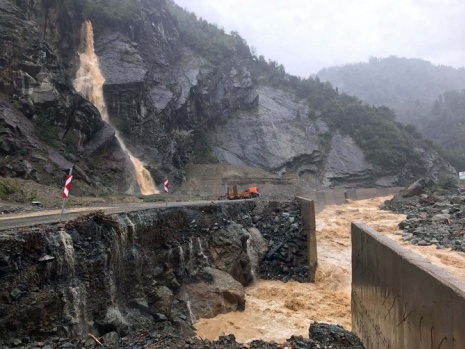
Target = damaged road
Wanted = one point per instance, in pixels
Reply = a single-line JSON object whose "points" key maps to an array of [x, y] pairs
{"points": [[137, 279]]}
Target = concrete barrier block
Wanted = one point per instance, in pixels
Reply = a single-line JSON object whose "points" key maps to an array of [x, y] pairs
{"points": [[399, 299], [307, 208]]}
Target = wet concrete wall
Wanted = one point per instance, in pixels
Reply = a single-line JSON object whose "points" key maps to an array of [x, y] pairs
{"points": [[399, 299], [307, 208], [339, 196]]}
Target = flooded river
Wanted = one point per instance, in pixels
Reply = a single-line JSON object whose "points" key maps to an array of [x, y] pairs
{"points": [[276, 310]]}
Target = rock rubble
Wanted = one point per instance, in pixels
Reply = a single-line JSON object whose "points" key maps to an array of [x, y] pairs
{"points": [[281, 224], [324, 336], [434, 216]]}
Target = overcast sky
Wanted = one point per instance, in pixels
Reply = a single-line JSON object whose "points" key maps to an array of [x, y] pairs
{"points": [[307, 35]]}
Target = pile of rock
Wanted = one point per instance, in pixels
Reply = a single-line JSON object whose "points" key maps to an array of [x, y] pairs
{"points": [[281, 224], [432, 219], [322, 336]]}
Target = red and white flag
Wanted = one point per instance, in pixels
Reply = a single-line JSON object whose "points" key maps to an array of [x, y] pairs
{"points": [[67, 186], [165, 185]]}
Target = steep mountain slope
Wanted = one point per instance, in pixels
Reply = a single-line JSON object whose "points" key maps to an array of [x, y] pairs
{"points": [[181, 91], [421, 94]]}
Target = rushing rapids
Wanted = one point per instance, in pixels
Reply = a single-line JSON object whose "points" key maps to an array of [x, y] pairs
{"points": [[89, 81], [276, 310]]}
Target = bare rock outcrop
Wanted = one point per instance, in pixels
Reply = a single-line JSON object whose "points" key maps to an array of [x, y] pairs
{"points": [[222, 295]]}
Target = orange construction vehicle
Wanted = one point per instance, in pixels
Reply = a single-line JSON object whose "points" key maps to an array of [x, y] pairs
{"points": [[233, 194]]}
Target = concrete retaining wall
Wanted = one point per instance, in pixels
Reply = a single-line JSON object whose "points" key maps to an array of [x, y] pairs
{"points": [[307, 209], [339, 196], [400, 300]]}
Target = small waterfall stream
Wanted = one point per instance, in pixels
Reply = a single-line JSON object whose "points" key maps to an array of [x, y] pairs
{"points": [[201, 253], [74, 295], [89, 82]]}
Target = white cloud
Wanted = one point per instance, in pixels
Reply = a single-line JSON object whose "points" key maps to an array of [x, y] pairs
{"points": [[307, 35]]}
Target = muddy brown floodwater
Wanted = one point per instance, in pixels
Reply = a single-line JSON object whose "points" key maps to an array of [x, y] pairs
{"points": [[275, 310]]}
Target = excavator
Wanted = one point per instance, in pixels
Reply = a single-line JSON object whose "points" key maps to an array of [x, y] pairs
{"points": [[233, 194]]}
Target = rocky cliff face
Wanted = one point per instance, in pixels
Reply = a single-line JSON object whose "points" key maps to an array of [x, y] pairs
{"points": [[45, 125], [171, 105], [113, 274]]}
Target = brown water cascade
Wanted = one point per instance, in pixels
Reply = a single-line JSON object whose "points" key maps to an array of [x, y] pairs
{"points": [[89, 82]]}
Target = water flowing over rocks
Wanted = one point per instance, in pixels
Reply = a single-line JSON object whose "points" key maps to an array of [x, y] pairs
{"points": [[40, 110]]}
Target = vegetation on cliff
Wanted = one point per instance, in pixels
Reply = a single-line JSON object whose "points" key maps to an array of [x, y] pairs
{"points": [[445, 124], [386, 143], [422, 94], [395, 82], [192, 78]]}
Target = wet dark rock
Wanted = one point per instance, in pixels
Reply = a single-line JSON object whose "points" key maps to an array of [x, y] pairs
{"points": [[16, 294], [333, 336], [416, 188], [230, 245], [286, 258], [222, 295], [110, 338], [161, 301]]}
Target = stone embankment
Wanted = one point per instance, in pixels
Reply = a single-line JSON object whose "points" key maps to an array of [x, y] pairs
{"points": [[433, 217]]}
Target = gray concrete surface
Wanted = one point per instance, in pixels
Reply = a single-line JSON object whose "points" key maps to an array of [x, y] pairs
{"points": [[400, 300], [322, 198], [307, 208]]}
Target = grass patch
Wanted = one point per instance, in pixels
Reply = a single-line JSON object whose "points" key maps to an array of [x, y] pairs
{"points": [[11, 189], [153, 198]]}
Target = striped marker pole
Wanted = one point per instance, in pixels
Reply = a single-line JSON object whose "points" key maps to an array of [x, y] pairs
{"points": [[66, 190], [165, 189]]}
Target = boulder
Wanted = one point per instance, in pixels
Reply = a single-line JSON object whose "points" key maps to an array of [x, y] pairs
{"points": [[113, 321], [415, 188], [221, 296], [333, 336], [104, 136], [110, 338], [59, 160], [161, 301], [257, 246], [229, 248]]}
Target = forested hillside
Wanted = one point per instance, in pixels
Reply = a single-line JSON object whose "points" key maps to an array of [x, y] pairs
{"points": [[408, 85], [445, 124], [421, 94]]}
